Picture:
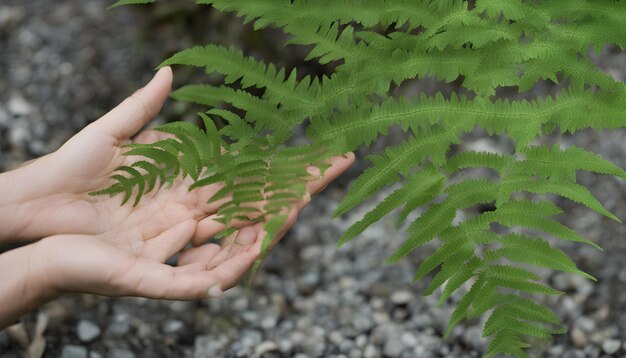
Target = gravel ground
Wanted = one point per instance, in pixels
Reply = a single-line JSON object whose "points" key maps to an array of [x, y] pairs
{"points": [[64, 63]]}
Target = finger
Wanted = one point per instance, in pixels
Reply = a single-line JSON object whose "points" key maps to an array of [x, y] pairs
{"points": [[211, 226], [159, 281], [235, 244], [200, 254], [136, 111], [230, 272], [206, 229], [169, 242], [338, 166], [149, 136]]}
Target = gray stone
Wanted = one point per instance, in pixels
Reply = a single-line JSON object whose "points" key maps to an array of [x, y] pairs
{"points": [[173, 326], [9, 17], [250, 338], [393, 347], [371, 351], [381, 317], [209, 346], [611, 346], [20, 133], [578, 337], [71, 351], [313, 341], [408, 339], [400, 298], [362, 323], [121, 353], [19, 106], [346, 346], [95, 355], [240, 303], [269, 322], [472, 337], [556, 351], [361, 340], [285, 346], [574, 354], [422, 321], [336, 337], [87, 330], [586, 324], [4, 339], [4, 118], [120, 325], [266, 347]]}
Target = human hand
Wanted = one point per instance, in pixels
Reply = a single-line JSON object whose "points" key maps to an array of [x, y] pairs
{"points": [[126, 262], [49, 195]]}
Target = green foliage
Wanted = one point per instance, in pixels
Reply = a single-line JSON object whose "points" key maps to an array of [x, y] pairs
{"points": [[378, 45]]}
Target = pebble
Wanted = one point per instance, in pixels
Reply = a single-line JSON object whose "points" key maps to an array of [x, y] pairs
{"points": [[209, 346], [4, 118], [87, 331], [362, 323], [346, 346], [361, 340], [71, 351], [371, 351], [285, 346], [173, 326], [556, 351], [120, 325], [586, 324], [400, 298], [269, 322], [18, 106], [393, 347], [611, 346], [250, 338], [265, 347], [10, 16], [4, 339], [579, 338], [121, 353], [408, 339]]}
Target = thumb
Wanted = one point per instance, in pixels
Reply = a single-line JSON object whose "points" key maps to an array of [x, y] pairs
{"points": [[136, 111]]}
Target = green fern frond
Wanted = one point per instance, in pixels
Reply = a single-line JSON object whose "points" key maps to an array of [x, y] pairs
{"points": [[130, 2], [538, 252], [378, 49]]}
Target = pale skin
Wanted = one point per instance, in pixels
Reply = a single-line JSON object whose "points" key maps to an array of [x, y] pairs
{"points": [[95, 245]]}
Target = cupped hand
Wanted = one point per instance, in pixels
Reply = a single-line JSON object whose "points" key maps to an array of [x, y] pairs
{"points": [[127, 262]]}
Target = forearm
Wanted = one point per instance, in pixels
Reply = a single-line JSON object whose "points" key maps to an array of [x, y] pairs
{"points": [[22, 287]]}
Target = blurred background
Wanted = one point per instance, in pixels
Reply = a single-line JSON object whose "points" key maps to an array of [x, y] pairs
{"points": [[65, 63]]}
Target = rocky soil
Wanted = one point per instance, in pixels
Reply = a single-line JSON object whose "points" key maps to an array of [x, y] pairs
{"points": [[64, 63]]}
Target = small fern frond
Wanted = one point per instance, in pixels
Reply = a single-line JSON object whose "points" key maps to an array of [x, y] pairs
{"points": [[279, 87], [130, 2], [538, 252]]}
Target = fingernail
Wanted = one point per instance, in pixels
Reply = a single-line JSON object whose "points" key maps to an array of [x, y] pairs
{"points": [[214, 291]]}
